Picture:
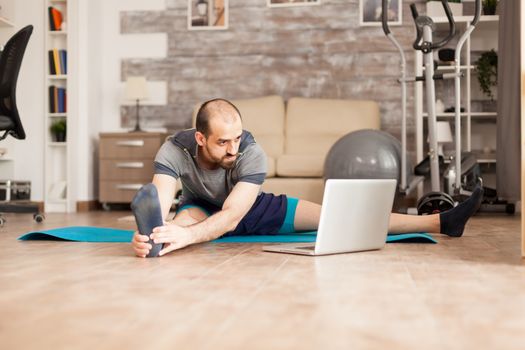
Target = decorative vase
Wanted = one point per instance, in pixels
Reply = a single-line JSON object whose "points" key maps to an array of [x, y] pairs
{"points": [[59, 136]]}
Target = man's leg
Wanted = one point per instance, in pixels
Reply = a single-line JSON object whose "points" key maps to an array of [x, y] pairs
{"points": [[451, 222], [189, 216], [401, 223], [307, 215]]}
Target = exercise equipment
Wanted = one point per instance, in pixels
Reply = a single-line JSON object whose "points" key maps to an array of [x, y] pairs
{"points": [[436, 200], [113, 235], [365, 154]]}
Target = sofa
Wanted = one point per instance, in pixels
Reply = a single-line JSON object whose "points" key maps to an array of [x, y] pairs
{"points": [[297, 136]]}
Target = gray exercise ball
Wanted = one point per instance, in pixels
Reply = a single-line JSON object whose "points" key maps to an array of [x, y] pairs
{"points": [[365, 154]]}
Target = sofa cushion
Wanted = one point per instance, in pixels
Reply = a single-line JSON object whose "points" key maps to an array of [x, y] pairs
{"points": [[264, 118], [310, 189], [298, 165], [314, 125]]}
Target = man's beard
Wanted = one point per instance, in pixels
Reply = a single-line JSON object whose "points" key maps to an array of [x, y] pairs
{"points": [[223, 162], [227, 164]]}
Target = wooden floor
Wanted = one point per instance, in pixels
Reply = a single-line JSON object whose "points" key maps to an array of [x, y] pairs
{"points": [[466, 293]]}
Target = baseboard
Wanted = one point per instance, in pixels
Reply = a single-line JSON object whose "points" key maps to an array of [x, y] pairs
{"points": [[84, 206]]}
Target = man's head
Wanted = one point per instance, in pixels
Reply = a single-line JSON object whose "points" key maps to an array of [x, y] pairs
{"points": [[219, 130]]}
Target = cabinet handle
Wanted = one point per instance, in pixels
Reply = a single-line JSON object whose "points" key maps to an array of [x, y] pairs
{"points": [[132, 187], [131, 143], [134, 165]]}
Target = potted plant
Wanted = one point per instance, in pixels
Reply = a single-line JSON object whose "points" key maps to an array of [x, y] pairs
{"points": [[435, 8], [489, 7], [58, 130], [487, 72]]}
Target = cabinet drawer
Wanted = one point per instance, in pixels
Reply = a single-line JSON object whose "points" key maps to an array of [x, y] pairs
{"points": [[129, 147], [119, 191], [126, 169]]}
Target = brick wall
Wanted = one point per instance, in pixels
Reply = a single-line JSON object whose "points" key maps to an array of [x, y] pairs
{"points": [[310, 51]]}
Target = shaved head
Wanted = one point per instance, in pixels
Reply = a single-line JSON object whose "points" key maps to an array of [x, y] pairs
{"points": [[218, 135], [215, 110]]}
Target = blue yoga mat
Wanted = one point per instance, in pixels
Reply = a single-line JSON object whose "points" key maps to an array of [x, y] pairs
{"points": [[103, 234]]}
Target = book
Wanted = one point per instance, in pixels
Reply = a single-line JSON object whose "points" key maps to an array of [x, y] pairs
{"points": [[51, 22], [56, 61], [56, 19], [63, 61], [58, 110], [52, 70], [61, 93], [52, 99], [55, 98]]}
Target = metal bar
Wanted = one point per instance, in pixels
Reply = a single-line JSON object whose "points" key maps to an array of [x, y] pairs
{"points": [[132, 187], [131, 143], [402, 80], [457, 117], [134, 165], [431, 106]]}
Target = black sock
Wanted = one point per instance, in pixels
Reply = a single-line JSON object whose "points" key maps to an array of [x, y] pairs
{"points": [[453, 221]]}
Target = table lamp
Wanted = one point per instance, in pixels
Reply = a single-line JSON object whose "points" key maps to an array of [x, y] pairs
{"points": [[136, 89]]}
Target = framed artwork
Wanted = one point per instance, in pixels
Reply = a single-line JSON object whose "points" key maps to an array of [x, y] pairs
{"points": [[370, 12], [288, 3], [207, 14]]}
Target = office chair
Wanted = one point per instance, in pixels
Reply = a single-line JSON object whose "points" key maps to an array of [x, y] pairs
{"points": [[10, 124]]}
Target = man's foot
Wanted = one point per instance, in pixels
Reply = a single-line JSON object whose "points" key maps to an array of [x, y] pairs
{"points": [[453, 221], [148, 214]]}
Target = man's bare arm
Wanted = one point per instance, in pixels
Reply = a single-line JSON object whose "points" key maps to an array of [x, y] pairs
{"points": [[166, 186], [238, 203]]}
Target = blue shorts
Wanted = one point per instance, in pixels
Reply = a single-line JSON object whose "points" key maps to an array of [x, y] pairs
{"points": [[269, 215]]}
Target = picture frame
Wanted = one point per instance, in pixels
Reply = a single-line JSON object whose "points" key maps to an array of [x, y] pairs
{"points": [[208, 14], [290, 3], [370, 12]]}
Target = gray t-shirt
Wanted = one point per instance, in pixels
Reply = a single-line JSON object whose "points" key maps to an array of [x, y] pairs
{"points": [[177, 157]]}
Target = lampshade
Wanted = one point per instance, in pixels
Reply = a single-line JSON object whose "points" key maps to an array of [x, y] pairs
{"points": [[443, 132], [202, 7], [136, 88]]}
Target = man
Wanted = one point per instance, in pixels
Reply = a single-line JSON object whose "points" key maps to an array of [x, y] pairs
{"points": [[222, 168]]}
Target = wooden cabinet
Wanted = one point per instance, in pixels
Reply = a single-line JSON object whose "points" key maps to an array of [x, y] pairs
{"points": [[126, 163]]}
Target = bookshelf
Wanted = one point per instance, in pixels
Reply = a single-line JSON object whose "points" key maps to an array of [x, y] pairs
{"points": [[57, 179]]}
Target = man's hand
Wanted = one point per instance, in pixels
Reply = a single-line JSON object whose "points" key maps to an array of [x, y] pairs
{"points": [[140, 244], [173, 236]]}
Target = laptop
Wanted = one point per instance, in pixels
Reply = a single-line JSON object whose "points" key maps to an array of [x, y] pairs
{"points": [[354, 217]]}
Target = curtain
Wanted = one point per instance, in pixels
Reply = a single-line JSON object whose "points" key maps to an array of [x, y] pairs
{"points": [[508, 153]]}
